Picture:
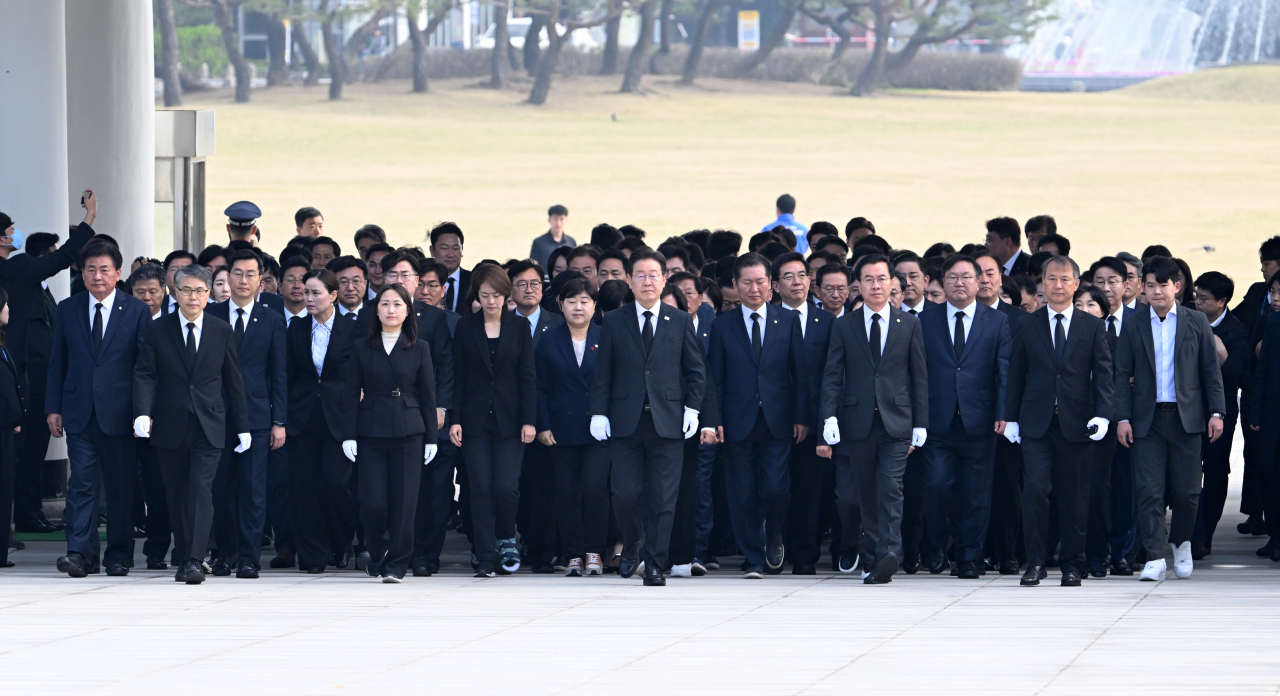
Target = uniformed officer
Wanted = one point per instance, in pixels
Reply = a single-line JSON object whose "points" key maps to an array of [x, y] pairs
{"points": [[242, 222]]}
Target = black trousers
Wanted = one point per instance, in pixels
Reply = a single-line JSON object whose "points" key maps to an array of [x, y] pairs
{"points": [[188, 473], [1052, 464], [1006, 503], [645, 478], [684, 526], [493, 482], [390, 470], [1166, 468], [536, 517], [159, 531], [435, 504], [759, 487], [279, 514], [1256, 463], [240, 498], [107, 461], [8, 462], [1097, 542], [876, 450], [959, 473], [801, 534], [582, 498], [319, 495], [32, 446], [914, 542], [1217, 471]]}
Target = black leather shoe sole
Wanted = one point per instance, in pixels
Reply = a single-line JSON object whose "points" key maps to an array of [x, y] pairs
{"points": [[117, 570], [911, 566], [655, 581], [221, 571], [885, 568], [804, 569], [70, 567], [1071, 580], [194, 577], [247, 573], [1029, 580]]}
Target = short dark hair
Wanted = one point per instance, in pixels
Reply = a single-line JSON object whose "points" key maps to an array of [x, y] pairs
{"points": [[300, 218], [557, 210], [373, 232], [675, 293], [868, 260], [670, 250], [100, 237], [613, 294], [337, 250], [786, 204], [605, 236], [955, 259], [178, 254], [486, 273], [749, 259], [615, 254], [1041, 222], [825, 256], [723, 243], [1094, 292], [1270, 249], [822, 228], [1162, 268], [95, 249], [631, 244], [526, 265], [245, 256], [584, 250], [1111, 262], [1220, 284], [147, 271], [775, 269], [760, 239], [210, 253], [874, 240], [408, 330], [773, 250], [830, 268], [239, 245], [577, 286], [446, 228], [1064, 244], [1035, 264], [856, 224], [1157, 250], [645, 253], [270, 265], [390, 261], [939, 249], [681, 276], [291, 254], [342, 263], [296, 261], [1005, 228], [379, 247], [631, 231], [907, 257], [434, 267], [1011, 288], [785, 236], [829, 240]]}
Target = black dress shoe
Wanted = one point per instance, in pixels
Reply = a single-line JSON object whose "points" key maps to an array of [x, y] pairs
{"points": [[73, 564], [285, 558], [1275, 554], [911, 565], [803, 569], [543, 569], [421, 569], [1098, 570], [341, 560], [967, 570], [1009, 566], [315, 570], [246, 570], [1265, 551], [194, 573], [7, 563], [57, 526], [221, 568], [939, 564], [886, 566], [653, 577], [35, 528], [1253, 526], [627, 566], [774, 553], [1033, 576], [181, 574], [117, 569], [1121, 566], [1199, 550], [1071, 578], [157, 564]]}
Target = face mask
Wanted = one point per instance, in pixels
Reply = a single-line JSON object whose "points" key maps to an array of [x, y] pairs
{"points": [[17, 239]]}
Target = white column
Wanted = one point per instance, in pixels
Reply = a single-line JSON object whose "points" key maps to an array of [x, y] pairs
{"points": [[111, 116]]}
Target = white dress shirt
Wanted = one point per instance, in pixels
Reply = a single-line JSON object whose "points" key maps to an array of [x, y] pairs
{"points": [[1066, 323], [290, 316], [640, 310], [344, 311], [579, 349], [916, 309], [320, 334], [1119, 319], [199, 322], [968, 320], [884, 323], [748, 322], [107, 304], [533, 321], [1215, 322], [173, 305], [234, 314], [1163, 334], [803, 311], [1132, 305]]}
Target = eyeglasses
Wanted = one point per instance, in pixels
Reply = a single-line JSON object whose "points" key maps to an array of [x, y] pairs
{"points": [[189, 291], [966, 278], [434, 285], [789, 277], [393, 276], [651, 277], [528, 284], [293, 279], [350, 282], [244, 275]]}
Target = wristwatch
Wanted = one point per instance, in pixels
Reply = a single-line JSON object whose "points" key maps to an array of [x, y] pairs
{"points": [[1215, 414], [278, 425]]}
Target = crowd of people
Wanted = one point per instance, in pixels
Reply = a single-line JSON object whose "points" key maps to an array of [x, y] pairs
{"points": [[637, 407]]}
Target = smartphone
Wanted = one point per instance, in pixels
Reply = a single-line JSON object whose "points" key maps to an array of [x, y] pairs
{"points": [[85, 194]]}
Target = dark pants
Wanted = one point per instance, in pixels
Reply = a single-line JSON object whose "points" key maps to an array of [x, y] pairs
{"points": [[278, 511], [880, 475], [759, 488], [645, 478], [704, 514], [1097, 542], [188, 473], [493, 479], [913, 526], [32, 446], [1006, 503], [435, 504], [319, 496], [1166, 466], [681, 549], [959, 469], [1252, 488], [240, 498], [1054, 465], [803, 538], [849, 459], [8, 461], [389, 470], [1124, 504], [582, 498], [159, 531], [97, 459], [536, 517], [1217, 471]]}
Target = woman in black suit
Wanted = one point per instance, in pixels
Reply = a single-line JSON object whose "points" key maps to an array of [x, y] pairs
{"points": [[11, 393], [497, 390], [317, 353], [390, 385], [566, 363]]}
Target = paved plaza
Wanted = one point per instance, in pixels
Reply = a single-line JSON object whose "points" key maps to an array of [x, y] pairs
{"points": [[291, 633]]}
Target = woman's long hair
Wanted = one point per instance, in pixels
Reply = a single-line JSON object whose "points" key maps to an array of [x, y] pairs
{"points": [[408, 330]]}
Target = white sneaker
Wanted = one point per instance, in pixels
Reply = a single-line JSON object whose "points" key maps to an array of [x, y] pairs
{"points": [[865, 574], [1182, 563], [1154, 570], [683, 570]]}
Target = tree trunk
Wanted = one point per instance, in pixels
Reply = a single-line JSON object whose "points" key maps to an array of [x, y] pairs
{"points": [[635, 61], [699, 41], [169, 53], [777, 33], [277, 70], [333, 51], [309, 56], [500, 63], [419, 42], [870, 76], [546, 66], [664, 48], [531, 49], [609, 61], [222, 14]]}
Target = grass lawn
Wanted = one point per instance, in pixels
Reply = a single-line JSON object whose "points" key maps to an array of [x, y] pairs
{"points": [[1187, 167]]}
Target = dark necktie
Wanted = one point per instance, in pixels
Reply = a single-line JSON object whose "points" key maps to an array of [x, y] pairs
{"points": [[647, 334], [875, 340], [1113, 338], [97, 326], [191, 342], [448, 295], [959, 337], [756, 343], [239, 325], [912, 312], [1059, 338]]}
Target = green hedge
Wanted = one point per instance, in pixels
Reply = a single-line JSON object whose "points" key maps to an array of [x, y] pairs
{"points": [[198, 45]]}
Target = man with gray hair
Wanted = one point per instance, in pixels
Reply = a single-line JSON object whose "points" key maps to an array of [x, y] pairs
{"points": [[186, 364]]}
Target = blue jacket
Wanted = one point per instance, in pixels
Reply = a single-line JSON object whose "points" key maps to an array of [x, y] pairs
{"points": [[981, 375], [82, 381], [778, 381], [817, 338], [263, 369], [564, 388], [706, 317], [788, 221]]}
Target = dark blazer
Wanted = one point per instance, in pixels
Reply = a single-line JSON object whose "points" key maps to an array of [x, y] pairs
{"points": [[262, 363], [981, 374], [167, 387], [13, 392], [1254, 308], [1197, 379], [508, 384], [398, 392], [1011, 312], [673, 376], [852, 389], [29, 333], [564, 387], [1264, 412], [817, 337], [1019, 266], [82, 380], [1236, 338], [1081, 386], [778, 381], [306, 388], [546, 322], [460, 296], [706, 319], [272, 301], [434, 328]]}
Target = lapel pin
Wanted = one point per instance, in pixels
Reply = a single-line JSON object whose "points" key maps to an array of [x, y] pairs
{"points": [[775, 321], [666, 318]]}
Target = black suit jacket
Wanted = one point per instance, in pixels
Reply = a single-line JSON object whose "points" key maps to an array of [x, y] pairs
{"points": [[29, 333], [272, 301], [398, 392], [564, 386], [262, 363], [12, 391], [672, 376], [1081, 386], [817, 337], [306, 388], [1019, 265], [852, 388], [778, 381], [460, 293], [167, 387], [433, 328], [1236, 338], [1011, 312], [1196, 377], [546, 322], [1254, 308], [978, 381], [507, 384]]}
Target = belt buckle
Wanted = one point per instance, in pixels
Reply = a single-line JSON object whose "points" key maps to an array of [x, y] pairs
{"points": [[395, 392]]}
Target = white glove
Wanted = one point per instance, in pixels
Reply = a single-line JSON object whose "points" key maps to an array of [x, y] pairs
{"points": [[1102, 424], [245, 441], [1011, 433], [349, 449], [831, 431], [918, 436], [690, 422], [428, 454], [142, 426], [600, 428]]}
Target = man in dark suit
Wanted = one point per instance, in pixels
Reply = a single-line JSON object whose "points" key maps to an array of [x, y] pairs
{"points": [[967, 344], [96, 339], [1176, 395], [186, 365], [647, 413], [875, 407], [763, 403], [240, 486], [1252, 313], [1213, 292], [446, 248], [29, 337], [1061, 390], [1004, 240], [702, 494]]}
